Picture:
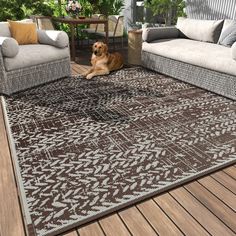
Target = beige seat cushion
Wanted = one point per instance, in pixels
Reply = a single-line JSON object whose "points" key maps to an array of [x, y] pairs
{"points": [[207, 55], [31, 55]]}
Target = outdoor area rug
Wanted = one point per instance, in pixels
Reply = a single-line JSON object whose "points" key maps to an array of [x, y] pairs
{"points": [[85, 148]]}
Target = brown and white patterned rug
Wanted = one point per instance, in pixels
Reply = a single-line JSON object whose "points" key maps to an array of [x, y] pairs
{"points": [[82, 149]]}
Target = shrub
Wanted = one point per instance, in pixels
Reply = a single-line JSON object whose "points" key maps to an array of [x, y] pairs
{"points": [[169, 9], [19, 9]]}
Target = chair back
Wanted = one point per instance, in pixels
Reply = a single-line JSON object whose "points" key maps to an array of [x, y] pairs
{"points": [[116, 25], [43, 22], [94, 26], [100, 27]]}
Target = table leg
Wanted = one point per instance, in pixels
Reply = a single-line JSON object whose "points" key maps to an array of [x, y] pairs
{"points": [[72, 30], [106, 30]]}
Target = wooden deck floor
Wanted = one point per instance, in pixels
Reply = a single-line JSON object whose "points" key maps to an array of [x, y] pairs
{"points": [[203, 207]]}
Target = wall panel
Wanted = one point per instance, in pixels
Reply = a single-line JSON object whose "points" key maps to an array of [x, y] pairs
{"points": [[211, 9]]}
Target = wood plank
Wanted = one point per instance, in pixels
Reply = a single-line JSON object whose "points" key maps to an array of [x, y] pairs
{"points": [[93, 229], [231, 171], [73, 233], [113, 226], [10, 214], [136, 223], [80, 69], [158, 219], [216, 206], [75, 68], [187, 224], [220, 191], [225, 180], [213, 225]]}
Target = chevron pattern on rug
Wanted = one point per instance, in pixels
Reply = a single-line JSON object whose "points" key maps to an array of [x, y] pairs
{"points": [[86, 148]]}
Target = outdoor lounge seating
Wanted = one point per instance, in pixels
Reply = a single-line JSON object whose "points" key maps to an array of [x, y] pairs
{"points": [[190, 57], [33, 64]]}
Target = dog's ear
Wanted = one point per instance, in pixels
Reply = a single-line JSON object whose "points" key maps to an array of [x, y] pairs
{"points": [[105, 48]]}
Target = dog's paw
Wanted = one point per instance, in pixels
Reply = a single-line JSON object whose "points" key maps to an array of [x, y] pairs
{"points": [[90, 76], [84, 74]]}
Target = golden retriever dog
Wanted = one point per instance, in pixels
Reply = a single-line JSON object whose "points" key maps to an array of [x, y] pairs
{"points": [[102, 61]]}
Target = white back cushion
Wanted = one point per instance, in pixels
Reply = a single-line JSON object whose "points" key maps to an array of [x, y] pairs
{"points": [[200, 30], [4, 29]]}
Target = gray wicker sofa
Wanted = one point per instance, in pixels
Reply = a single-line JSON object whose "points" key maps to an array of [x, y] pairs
{"points": [[193, 55], [25, 66]]}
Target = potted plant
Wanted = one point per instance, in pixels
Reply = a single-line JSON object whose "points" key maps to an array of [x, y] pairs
{"points": [[168, 9], [73, 8]]}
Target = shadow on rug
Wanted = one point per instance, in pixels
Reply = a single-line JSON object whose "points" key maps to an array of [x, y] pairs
{"points": [[83, 149]]}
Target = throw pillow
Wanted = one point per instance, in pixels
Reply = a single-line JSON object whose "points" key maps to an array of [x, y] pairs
{"points": [[201, 30], [9, 47], [53, 37], [233, 51], [24, 33], [228, 36], [227, 23]]}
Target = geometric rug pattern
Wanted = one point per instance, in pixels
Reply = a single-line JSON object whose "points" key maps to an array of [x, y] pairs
{"points": [[85, 148]]}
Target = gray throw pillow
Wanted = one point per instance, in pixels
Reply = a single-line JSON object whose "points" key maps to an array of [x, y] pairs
{"points": [[150, 34], [53, 37], [233, 51], [228, 36], [9, 47]]}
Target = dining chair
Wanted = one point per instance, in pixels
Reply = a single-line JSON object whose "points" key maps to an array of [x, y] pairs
{"points": [[94, 28], [115, 28], [43, 22]]}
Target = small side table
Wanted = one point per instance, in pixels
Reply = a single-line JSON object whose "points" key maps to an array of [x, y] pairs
{"points": [[134, 47]]}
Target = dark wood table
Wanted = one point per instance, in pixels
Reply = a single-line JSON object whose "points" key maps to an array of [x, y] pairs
{"points": [[73, 22]]}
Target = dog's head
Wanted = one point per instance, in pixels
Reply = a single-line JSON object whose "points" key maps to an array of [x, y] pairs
{"points": [[100, 48]]}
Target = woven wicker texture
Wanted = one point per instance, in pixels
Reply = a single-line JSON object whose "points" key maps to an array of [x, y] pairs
{"points": [[213, 81], [17, 80]]}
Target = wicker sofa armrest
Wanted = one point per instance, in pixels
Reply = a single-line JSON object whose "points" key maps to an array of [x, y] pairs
{"points": [[233, 51], [53, 37], [151, 34], [3, 76]]}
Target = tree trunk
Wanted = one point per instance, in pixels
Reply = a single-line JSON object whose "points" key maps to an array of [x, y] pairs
{"points": [[168, 20]]}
